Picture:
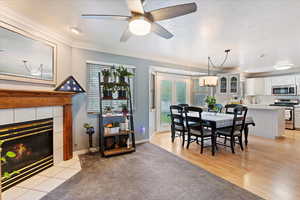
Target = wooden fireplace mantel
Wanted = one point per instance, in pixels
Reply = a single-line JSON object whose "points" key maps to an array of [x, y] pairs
{"points": [[28, 99]]}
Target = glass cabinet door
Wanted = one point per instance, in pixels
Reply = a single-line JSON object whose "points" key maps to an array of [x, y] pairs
{"points": [[233, 84], [223, 85]]}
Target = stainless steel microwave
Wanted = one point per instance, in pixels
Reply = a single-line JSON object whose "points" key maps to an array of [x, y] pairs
{"points": [[284, 90]]}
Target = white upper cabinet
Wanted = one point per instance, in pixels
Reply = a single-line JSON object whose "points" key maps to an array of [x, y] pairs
{"points": [[283, 80], [255, 86], [268, 86], [297, 80], [229, 84], [234, 84]]}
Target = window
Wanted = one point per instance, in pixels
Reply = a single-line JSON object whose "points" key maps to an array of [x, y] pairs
{"points": [[93, 105], [199, 93], [152, 91]]}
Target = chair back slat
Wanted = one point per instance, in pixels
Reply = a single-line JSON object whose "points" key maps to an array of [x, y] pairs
{"points": [[177, 117], [193, 118], [239, 118], [229, 108]]}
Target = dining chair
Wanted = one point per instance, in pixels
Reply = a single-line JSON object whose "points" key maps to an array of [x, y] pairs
{"points": [[177, 122], [229, 108], [196, 128], [183, 105], [236, 130]]}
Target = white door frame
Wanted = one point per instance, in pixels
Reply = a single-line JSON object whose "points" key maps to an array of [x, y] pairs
{"points": [[173, 78]]}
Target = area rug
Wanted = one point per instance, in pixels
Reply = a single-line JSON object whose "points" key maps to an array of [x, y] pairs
{"points": [[151, 173]]}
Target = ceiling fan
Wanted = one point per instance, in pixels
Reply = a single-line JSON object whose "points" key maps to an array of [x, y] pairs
{"points": [[141, 22]]}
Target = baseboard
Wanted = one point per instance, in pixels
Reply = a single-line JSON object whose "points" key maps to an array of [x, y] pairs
{"points": [[142, 141], [83, 151]]}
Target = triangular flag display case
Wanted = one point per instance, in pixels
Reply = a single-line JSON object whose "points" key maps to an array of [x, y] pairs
{"points": [[70, 85]]}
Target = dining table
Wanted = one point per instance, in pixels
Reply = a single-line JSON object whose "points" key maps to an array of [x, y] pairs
{"points": [[217, 121]]}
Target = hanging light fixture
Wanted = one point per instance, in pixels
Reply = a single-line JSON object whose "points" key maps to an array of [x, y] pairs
{"points": [[211, 80]]}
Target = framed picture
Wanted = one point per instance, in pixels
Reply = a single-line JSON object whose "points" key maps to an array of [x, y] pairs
{"points": [[26, 58]]}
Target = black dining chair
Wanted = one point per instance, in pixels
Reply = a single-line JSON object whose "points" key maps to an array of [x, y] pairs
{"points": [[195, 127], [235, 131], [177, 122], [183, 105], [229, 108]]}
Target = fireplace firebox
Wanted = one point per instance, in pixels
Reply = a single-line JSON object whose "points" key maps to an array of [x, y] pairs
{"points": [[32, 144]]}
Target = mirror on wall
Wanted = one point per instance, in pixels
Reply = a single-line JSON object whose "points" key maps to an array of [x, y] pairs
{"points": [[26, 58]]}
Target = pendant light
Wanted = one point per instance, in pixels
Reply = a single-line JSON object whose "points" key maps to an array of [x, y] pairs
{"points": [[211, 80]]}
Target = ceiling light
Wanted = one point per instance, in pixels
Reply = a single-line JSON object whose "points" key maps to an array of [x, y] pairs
{"points": [[208, 81], [139, 26], [283, 66], [75, 30]]}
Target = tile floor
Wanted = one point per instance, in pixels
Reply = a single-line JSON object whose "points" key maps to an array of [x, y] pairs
{"points": [[39, 185]]}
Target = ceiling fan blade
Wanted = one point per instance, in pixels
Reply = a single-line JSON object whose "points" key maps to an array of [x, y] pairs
{"points": [[161, 31], [136, 6], [173, 11], [110, 17], [126, 35]]}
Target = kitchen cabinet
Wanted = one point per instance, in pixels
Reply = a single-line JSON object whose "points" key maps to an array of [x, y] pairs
{"points": [[297, 80], [255, 86], [283, 80], [229, 84], [234, 84], [297, 117], [268, 86]]}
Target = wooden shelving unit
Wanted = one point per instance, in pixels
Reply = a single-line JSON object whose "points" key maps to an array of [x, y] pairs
{"points": [[117, 149]]}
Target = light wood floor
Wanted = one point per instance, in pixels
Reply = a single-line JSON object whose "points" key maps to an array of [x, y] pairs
{"points": [[268, 168]]}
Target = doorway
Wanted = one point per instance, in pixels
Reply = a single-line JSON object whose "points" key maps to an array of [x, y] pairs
{"points": [[171, 89]]}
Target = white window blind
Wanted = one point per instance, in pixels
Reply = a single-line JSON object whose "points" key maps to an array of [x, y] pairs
{"points": [[93, 105]]}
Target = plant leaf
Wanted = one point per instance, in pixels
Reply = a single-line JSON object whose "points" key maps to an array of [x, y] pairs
{"points": [[6, 175], [10, 154]]}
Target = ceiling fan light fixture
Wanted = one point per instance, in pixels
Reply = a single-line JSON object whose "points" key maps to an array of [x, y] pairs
{"points": [[139, 26]]}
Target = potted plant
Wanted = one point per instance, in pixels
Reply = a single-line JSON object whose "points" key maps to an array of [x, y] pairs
{"points": [[211, 101], [108, 90], [112, 128], [122, 91], [90, 131], [124, 109], [123, 73], [106, 74], [108, 110]]}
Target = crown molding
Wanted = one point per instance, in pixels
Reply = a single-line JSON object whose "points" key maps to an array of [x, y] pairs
{"points": [[10, 17]]}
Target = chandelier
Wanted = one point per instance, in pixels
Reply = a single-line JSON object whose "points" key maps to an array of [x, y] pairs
{"points": [[212, 80]]}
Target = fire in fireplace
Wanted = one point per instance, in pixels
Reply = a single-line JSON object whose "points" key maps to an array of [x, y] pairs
{"points": [[32, 145]]}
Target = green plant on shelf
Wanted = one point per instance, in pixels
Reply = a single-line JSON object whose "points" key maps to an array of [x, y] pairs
{"points": [[106, 74], [7, 155], [122, 73]]}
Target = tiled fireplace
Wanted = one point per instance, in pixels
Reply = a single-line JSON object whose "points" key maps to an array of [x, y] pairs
{"points": [[50, 153]]}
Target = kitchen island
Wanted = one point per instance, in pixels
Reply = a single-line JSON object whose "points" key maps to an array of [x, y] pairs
{"points": [[269, 121]]}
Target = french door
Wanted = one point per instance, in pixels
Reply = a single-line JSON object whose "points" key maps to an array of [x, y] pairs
{"points": [[172, 90]]}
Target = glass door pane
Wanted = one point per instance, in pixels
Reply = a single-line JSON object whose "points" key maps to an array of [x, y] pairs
{"points": [[181, 90], [165, 101]]}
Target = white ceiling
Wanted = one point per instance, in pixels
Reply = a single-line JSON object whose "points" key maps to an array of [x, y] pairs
{"points": [[249, 27]]}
